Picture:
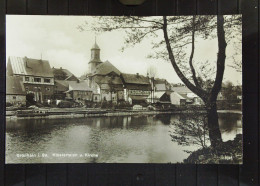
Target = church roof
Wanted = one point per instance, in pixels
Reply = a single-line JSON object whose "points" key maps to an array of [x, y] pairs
{"points": [[105, 68], [108, 80], [135, 79]]}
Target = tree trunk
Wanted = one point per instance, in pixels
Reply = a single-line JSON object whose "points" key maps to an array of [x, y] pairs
{"points": [[214, 131]]}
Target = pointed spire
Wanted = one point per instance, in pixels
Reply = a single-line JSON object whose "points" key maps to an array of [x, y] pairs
{"points": [[95, 46]]}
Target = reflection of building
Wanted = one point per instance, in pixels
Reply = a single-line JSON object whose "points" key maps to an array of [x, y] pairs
{"points": [[137, 88], [37, 76], [15, 92]]}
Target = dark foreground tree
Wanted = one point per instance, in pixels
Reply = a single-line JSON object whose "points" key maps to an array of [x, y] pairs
{"points": [[172, 37]]}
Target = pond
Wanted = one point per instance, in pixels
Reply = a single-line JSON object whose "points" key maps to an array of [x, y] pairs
{"points": [[126, 139]]}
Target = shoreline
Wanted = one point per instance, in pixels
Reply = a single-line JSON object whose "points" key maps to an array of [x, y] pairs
{"points": [[55, 115]]}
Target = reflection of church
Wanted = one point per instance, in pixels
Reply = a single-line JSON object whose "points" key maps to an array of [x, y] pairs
{"points": [[103, 78]]}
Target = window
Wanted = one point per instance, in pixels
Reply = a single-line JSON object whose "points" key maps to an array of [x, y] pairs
{"points": [[26, 88], [47, 80], [14, 97], [27, 79], [95, 98], [48, 89], [37, 79]]}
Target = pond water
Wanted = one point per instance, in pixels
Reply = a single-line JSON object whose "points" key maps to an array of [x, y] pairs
{"points": [[132, 139]]}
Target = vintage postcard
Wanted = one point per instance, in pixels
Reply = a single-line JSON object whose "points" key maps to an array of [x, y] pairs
{"points": [[124, 89]]}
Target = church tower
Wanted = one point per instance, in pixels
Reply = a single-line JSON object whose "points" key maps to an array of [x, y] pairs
{"points": [[95, 58]]}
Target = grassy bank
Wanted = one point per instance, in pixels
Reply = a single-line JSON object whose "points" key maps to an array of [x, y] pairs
{"points": [[229, 152]]}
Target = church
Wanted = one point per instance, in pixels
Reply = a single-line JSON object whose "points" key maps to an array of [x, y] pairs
{"points": [[103, 78]]}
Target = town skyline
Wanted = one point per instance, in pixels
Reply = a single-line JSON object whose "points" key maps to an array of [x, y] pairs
{"points": [[57, 39]]}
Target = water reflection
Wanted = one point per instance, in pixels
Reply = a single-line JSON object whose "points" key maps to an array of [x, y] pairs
{"points": [[125, 139]]}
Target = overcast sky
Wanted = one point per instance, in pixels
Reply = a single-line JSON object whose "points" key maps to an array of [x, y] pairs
{"points": [[57, 39]]}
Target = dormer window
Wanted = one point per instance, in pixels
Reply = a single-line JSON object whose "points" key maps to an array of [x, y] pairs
{"points": [[27, 79]]}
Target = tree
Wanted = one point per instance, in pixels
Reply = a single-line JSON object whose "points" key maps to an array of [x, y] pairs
{"points": [[172, 37], [190, 129], [230, 92]]}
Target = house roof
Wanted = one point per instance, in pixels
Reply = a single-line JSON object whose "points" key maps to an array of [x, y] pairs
{"points": [[61, 85], [135, 79], [105, 68], [157, 95], [63, 72], [160, 81], [181, 89], [82, 86], [108, 80], [14, 85], [28, 66], [145, 87]]}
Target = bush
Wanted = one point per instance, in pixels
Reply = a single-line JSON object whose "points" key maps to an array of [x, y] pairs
{"points": [[123, 105], [65, 104]]}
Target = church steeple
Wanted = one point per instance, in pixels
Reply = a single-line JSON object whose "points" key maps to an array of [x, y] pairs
{"points": [[95, 57]]}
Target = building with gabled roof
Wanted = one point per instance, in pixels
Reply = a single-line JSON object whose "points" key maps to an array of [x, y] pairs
{"points": [[184, 93], [15, 92], [62, 77], [79, 91], [36, 74], [63, 74], [161, 85], [159, 97], [137, 87]]}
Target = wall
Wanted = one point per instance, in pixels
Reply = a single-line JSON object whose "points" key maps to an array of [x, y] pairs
{"points": [[16, 99]]}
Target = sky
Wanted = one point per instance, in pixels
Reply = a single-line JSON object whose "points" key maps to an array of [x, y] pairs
{"points": [[57, 39]]}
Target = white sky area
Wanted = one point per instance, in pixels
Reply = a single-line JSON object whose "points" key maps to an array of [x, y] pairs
{"points": [[58, 40]]}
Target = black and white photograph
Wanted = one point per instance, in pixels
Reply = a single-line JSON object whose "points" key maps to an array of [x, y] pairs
{"points": [[124, 89]]}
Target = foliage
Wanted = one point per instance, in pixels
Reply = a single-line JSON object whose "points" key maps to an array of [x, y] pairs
{"points": [[229, 152], [190, 129], [30, 99], [230, 92]]}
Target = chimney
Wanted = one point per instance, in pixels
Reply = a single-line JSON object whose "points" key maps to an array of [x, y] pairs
{"points": [[61, 68], [25, 59], [137, 74]]}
